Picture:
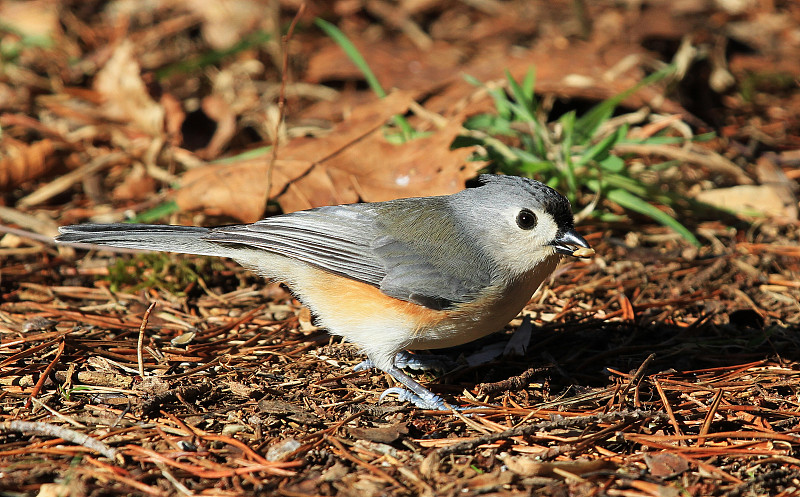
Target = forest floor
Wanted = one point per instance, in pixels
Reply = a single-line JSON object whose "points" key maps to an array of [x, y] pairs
{"points": [[656, 368]]}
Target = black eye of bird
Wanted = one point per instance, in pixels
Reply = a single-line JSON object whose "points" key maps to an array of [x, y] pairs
{"points": [[526, 219]]}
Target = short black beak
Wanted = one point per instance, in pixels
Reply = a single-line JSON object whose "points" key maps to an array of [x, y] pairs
{"points": [[569, 241]]}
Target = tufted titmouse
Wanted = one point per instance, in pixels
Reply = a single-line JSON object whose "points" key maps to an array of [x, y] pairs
{"points": [[412, 273]]}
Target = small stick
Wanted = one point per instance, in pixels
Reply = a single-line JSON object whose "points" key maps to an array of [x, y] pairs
{"points": [[667, 407], [709, 418], [530, 429], [282, 94], [511, 384], [339, 449], [51, 430], [141, 338], [45, 374], [637, 377]]}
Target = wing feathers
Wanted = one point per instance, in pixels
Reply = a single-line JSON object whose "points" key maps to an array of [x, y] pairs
{"points": [[388, 245], [336, 239]]}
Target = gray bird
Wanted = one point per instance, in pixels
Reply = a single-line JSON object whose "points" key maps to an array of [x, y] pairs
{"points": [[407, 274]]}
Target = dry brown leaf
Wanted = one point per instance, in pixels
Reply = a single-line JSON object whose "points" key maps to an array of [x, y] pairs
{"points": [[126, 97], [239, 189], [384, 433], [581, 70], [665, 464], [744, 199], [37, 18], [226, 21], [376, 170], [136, 186], [323, 186], [770, 174], [218, 109], [528, 466], [395, 66], [20, 162], [174, 116]]}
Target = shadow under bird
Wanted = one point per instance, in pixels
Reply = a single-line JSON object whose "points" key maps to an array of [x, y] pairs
{"points": [[407, 274]]}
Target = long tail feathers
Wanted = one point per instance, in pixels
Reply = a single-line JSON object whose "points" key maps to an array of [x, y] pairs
{"points": [[163, 238]]}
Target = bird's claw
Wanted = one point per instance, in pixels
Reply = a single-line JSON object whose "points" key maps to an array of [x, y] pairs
{"points": [[432, 402]]}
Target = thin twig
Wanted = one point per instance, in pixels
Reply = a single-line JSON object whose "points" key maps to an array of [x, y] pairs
{"points": [[339, 448], [140, 342], [709, 418], [45, 374], [109, 473], [50, 430], [576, 422], [667, 407], [282, 95], [511, 384], [637, 377], [63, 182]]}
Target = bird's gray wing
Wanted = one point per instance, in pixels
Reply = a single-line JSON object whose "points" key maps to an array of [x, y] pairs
{"points": [[410, 248], [336, 239], [429, 258]]}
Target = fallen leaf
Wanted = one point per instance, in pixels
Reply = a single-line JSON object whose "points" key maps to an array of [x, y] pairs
{"points": [[581, 70], [770, 174], [38, 18], [226, 21], [381, 434], [174, 116], [376, 170], [747, 199], [528, 466], [665, 465], [395, 66], [239, 188], [22, 162], [282, 449], [126, 97], [137, 185], [491, 480], [285, 409], [216, 108]]}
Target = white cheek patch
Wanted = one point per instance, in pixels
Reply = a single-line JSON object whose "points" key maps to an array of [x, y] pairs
{"points": [[520, 251]]}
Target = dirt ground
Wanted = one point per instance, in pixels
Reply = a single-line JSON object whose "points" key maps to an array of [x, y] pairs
{"points": [[656, 368]]}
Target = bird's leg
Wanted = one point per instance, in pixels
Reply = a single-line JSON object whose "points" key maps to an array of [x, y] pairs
{"points": [[415, 393], [416, 362]]}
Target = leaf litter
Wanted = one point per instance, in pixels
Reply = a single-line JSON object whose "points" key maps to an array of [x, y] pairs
{"points": [[653, 368]]}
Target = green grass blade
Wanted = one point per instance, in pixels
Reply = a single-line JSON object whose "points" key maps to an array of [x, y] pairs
{"points": [[156, 213], [357, 59], [568, 123], [612, 164], [246, 155], [353, 53], [473, 80], [630, 201], [501, 103], [670, 140], [599, 151], [525, 103], [528, 86], [588, 124], [212, 57]]}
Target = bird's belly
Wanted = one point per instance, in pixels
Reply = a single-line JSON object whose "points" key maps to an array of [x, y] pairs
{"points": [[477, 319]]}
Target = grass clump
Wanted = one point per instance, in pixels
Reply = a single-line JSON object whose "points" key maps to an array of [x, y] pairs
{"points": [[574, 153]]}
